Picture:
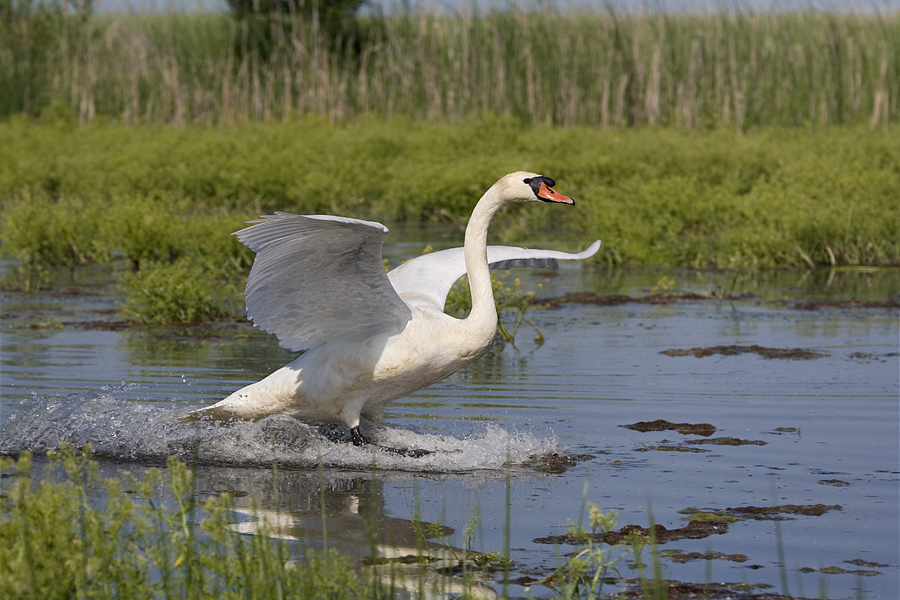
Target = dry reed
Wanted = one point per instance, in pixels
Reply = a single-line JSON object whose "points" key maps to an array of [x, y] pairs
{"points": [[730, 69]]}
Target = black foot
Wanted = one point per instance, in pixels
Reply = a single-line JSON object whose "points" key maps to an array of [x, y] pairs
{"points": [[357, 437], [359, 440]]}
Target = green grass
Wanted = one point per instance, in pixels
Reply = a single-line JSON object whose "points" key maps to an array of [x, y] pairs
{"points": [[68, 533], [165, 200], [732, 69], [148, 538]]}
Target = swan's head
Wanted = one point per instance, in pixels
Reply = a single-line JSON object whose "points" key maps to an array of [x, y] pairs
{"points": [[522, 186]]}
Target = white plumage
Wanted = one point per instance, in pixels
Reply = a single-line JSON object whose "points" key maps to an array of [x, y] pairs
{"points": [[318, 283]]}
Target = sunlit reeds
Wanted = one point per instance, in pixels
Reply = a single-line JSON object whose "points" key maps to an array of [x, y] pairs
{"points": [[735, 69]]}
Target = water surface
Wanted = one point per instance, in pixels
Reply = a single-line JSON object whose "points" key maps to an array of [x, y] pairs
{"points": [[822, 430]]}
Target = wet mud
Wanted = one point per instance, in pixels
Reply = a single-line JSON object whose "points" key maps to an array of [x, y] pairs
{"points": [[683, 557], [701, 524], [891, 304], [596, 299], [619, 299], [728, 441], [834, 482], [681, 590], [734, 350], [705, 429], [670, 448], [766, 512]]}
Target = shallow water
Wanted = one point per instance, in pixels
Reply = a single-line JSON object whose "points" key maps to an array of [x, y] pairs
{"points": [[822, 430]]}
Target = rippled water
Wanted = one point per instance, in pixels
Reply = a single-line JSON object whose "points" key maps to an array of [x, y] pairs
{"points": [[823, 430]]}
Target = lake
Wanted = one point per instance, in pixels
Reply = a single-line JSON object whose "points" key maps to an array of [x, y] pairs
{"points": [[771, 398]]}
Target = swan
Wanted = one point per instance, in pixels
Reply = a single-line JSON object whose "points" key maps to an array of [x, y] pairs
{"points": [[318, 283]]}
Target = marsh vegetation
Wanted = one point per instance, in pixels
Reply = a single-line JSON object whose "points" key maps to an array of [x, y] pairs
{"points": [[738, 69], [158, 204]]}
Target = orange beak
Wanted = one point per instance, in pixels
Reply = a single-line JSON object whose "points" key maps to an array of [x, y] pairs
{"points": [[548, 194]]}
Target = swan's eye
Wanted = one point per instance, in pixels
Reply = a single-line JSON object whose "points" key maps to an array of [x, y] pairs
{"points": [[528, 180]]}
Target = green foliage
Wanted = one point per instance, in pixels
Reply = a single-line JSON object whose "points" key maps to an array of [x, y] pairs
{"points": [[512, 304], [53, 233], [179, 292], [153, 541], [160, 196], [269, 23], [583, 573]]}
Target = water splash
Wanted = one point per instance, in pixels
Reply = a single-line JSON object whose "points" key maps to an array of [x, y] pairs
{"points": [[150, 432]]}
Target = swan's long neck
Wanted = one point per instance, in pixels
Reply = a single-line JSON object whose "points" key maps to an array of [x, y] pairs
{"points": [[484, 311]]}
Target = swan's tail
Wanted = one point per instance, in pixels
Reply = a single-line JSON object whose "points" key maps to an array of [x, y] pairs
{"points": [[250, 403]]}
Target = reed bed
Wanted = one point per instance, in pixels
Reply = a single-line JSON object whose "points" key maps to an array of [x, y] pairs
{"points": [[732, 69]]}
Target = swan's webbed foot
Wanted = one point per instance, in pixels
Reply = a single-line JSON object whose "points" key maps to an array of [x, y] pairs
{"points": [[357, 437], [359, 440]]}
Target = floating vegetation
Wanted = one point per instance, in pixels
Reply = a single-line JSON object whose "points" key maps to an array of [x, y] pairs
{"points": [[734, 350], [728, 441], [682, 590], [629, 534], [834, 482], [670, 448], [833, 570], [763, 512], [730, 515], [866, 563], [683, 557], [695, 514], [870, 357], [555, 463], [662, 425], [722, 441], [585, 572]]}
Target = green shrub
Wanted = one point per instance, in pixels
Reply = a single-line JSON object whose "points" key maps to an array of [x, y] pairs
{"points": [[180, 292], [41, 231]]}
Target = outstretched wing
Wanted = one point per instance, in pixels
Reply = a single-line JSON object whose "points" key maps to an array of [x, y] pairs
{"points": [[428, 278], [320, 278]]}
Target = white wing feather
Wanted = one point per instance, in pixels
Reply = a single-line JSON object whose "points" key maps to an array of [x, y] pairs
{"points": [[320, 278], [429, 277]]}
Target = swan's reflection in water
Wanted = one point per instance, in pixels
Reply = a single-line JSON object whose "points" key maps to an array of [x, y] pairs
{"points": [[402, 552]]}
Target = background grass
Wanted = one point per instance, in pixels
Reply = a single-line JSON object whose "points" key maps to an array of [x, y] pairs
{"points": [[731, 68], [657, 196]]}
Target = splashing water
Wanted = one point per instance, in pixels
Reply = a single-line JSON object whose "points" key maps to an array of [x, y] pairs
{"points": [[150, 432]]}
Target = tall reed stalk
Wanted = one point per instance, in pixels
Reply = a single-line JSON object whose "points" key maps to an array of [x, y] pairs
{"points": [[734, 69]]}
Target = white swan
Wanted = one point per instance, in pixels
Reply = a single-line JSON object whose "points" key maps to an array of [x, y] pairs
{"points": [[318, 283]]}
